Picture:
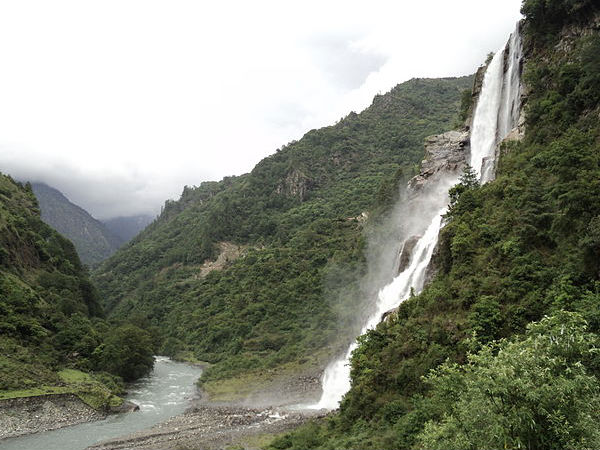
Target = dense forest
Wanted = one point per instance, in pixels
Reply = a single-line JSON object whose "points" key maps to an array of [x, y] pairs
{"points": [[53, 335], [288, 239], [501, 349]]}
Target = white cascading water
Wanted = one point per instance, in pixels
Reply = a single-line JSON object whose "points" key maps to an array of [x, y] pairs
{"points": [[496, 114], [498, 108], [336, 379], [510, 107]]}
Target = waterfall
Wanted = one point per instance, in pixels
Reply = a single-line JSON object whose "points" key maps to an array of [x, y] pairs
{"points": [[498, 107], [495, 116], [336, 379]]}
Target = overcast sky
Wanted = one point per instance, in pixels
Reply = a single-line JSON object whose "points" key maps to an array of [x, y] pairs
{"points": [[119, 104]]}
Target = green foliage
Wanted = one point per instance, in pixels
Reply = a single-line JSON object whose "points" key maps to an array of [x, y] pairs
{"points": [[537, 391], [388, 193], [547, 17], [309, 436], [126, 352], [466, 107], [467, 182], [25, 367], [50, 317], [512, 251], [99, 391], [296, 219], [41, 278]]}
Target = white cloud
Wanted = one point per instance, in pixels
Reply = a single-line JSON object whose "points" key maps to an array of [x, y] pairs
{"points": [[121, 103]]}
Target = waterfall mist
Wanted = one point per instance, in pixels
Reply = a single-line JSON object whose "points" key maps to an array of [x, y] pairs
{"points": [[418, 217]]}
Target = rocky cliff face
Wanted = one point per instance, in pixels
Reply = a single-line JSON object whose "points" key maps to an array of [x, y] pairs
{"points": [[405, 253], [295, 184], [445, 154], [572, 34], [228, 253]]}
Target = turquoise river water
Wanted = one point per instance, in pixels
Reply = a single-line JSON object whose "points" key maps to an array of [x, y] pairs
{"points": [[164, 393]]}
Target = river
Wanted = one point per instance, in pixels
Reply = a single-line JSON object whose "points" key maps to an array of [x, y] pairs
{"points": [[164, 393]]}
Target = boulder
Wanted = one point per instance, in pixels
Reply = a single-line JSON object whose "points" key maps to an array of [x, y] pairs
{"points": [[405, 254]]}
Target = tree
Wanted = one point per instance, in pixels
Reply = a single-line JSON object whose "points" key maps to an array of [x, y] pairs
{"points": [[126, 352], [536, 392], [467, 182], [543, 14]]}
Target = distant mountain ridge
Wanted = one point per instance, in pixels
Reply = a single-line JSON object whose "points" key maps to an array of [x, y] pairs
{"points": [[126, 228], [93, 240]]}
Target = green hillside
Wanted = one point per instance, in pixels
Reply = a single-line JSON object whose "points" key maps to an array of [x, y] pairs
{"points": [[289, 235], [92, 239], [50, 315], [513, 314]]}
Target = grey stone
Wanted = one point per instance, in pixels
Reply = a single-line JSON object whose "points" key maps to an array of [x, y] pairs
{"points": [[445, 153]]}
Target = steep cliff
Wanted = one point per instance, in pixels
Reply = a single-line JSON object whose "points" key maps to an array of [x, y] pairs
{"points": [[128, 227], [515, 254]]}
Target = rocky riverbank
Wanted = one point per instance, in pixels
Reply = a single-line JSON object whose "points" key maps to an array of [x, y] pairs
{"points": [[20, 416], [243, 415], [212, 427], [28, 415], [242, 423]]}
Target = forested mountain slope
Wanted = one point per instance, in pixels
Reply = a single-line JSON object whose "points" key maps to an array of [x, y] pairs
{"points": [[50, 315], [127, 227], [93, 241], [287, 238], [515, 250]]}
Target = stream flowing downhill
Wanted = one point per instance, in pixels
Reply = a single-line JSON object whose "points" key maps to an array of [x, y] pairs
{"points": [[496, 114], [164, 393]]}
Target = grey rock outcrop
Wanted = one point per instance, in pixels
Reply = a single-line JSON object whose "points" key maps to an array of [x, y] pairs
{"points": [[406, 253], [475, 92], [389, 314], [445, 154], [295, 184], [572, 34], [228, 253]]}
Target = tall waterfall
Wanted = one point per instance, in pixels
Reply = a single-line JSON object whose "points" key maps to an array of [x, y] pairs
{"points": [[498, 107], [496, 115]]}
